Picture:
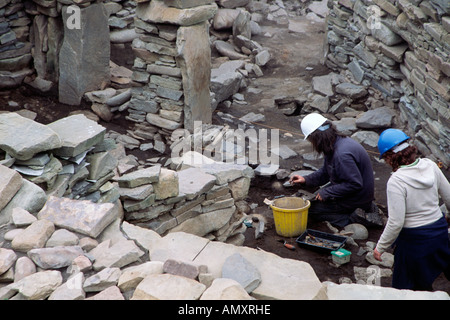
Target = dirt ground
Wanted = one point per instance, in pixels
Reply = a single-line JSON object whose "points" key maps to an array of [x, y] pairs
{"points": [[295, 60]]}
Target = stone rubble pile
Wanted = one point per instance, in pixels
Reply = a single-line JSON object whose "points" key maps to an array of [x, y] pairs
{"points": [[53, 160], [73, 257], [400, 48], [73, 158]]}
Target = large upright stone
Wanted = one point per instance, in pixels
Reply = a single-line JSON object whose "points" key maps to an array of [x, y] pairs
{"points": [[84, 55], [183, 4], [195, 61], [22, 138], [77, 133], [81, 216]]}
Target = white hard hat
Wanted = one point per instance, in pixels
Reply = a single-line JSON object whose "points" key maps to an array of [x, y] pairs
{"points": [[311, 123]]}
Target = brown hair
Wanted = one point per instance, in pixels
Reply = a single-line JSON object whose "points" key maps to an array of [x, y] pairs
{"points": [[323, 141], [401, 158]]}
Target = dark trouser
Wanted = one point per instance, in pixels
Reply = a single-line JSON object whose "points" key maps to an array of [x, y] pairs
{"points": [[330, 211], [421, 255]]}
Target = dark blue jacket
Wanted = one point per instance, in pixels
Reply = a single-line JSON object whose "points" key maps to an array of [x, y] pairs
{"points": [[350, 174]]}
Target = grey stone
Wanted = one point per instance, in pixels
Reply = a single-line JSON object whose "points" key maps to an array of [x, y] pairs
{"points": [[79, 71], [72, 289], [159, 12], [386, 35], [206, 222], [81, 216], [167, 185], [225, 289], [227, 49], [140, 177], [236, 267], [284, 152], [136, 193], [120, 254], [55, 257], [39, 285], [225, 84], [29, 197], [7, 259], [233, 3], [34, 236], [241, 25], [62, 237], [21, 217], [105, 278], [194, 60], [22, 138], [193, 182], [101, 164], [24, 267], [183, 4], [369, 138], [181, 268], [352, 90], [378, 118], [10, 184], [345, 126], [324, 84], [359, 232], [158, 121], [167, 287], [132, 276], [77, 133]]}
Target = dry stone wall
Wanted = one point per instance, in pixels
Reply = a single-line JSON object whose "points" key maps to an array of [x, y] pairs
{"points": [[401, 48], [172, 66]]}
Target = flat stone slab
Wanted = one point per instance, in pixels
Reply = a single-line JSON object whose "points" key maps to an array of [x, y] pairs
{"points": [[194, 181], [81, 216], [22, 138], [77, 133]]}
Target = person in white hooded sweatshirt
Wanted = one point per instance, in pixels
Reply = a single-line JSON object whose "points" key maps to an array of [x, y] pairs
{"points": [[416, 226]]}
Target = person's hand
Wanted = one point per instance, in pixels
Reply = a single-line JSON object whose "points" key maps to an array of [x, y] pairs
{"points": [[319, 197], [296, 179], [377, 255]]}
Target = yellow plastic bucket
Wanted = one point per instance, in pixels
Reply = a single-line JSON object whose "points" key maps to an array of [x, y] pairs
{"points": [[290, 215]]}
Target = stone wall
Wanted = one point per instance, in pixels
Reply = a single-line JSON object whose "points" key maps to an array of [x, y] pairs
{"points": [[172, 66], [61, 46], [75, 158], [401, 48]]}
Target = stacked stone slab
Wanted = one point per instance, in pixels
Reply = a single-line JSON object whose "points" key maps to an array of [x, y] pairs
{"points": [[172, 65], [15, 49], [200, 200], [401, 48]]}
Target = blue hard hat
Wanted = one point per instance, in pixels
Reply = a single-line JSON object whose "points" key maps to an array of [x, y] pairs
{"points": [[389, 138]]}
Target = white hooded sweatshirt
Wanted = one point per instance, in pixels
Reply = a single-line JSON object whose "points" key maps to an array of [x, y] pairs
{"points": [[413, 199]]}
